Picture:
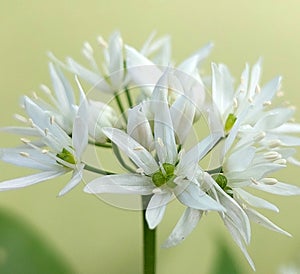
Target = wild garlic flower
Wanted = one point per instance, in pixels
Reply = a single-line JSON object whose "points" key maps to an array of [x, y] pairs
{"points": [[171, 172], [55, 152]]}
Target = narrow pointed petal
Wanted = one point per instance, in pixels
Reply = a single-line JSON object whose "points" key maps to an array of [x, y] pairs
{"points": [[184, 227], [182, 114], [30, 180], [80, 127], [262, 220], [192, 196], [255, 201], [156, 208], [75, 180], [240, 159], [222, 88], [30, 158], [195, 154], [137, 153], [121, 184], [142, 71], [278, 188], [138, 127], [163, 126]]}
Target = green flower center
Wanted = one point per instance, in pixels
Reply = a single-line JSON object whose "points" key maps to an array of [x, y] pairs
{"points": [[165, 174], [67, 156], [230, 122], [221, 180]]}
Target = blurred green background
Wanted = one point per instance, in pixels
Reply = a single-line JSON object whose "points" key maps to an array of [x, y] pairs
{"points": [[92, 236]]}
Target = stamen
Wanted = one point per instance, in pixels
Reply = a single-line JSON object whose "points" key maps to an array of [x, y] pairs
{"points": [[24, 154], [35, 95], [280, 94], [250, 100], [280, 162], [138, 148], [235, 103], [25, 141], [45, 89], [257, 89], [102, 42], [272, 155], [267, 103], [45, 151], [274, 143], [46, 130], [52, 119], [160, 142], [253, 181], [20, 118], [260, 136], [269, 181]]}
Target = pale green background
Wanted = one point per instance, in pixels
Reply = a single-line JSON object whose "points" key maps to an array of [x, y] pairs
{"points": [[96, 237]]}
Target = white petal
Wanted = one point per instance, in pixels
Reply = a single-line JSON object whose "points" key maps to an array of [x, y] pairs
{"points": [[156, 208], [30, 158], [80, 127], [142, 71], [234, 216], [192, 196], [122, 184], [273, 119], [27, 131], [30, 180], [278, 188], [190, 65], [137, 153], [59, 86], [255, 201], [222, 88], [138, 127], [163, 127], [91, 77], [195, 154], [116, 61], [240, 159], [262, 220], [75, 180], [184, 227], [268, 91], [182, 114]]}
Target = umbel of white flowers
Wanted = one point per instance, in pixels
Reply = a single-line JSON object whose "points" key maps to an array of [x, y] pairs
{"points": [[249, 137]]}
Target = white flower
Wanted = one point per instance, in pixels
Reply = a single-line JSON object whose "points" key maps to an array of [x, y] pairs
{"points": [[56, 152], [61, 105], [172, 173]]}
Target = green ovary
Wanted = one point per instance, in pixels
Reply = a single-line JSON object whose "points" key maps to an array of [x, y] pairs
{"points": [[229, 122], [221, 180], [66, 156], [161, 177]]}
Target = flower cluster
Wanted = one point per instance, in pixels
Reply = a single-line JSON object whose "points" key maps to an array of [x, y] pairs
{"points": [[250, 134]]}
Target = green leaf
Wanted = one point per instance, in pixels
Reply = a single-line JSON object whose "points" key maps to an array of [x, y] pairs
{"points": [[225, 263], [24, 251]]}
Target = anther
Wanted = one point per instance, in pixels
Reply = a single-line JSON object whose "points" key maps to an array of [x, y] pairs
{"points": [[269, 181], [25, 141], [24, 154]]}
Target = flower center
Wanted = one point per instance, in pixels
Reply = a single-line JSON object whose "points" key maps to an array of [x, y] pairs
{"points": [[163, 175], [67, 156], [221, 180], [230, 122]]}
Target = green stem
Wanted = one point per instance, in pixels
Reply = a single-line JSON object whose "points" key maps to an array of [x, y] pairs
{"points": [[97, 170], [129, 100], [120, 159], [120, 105], [149, 241], [107, 145]]}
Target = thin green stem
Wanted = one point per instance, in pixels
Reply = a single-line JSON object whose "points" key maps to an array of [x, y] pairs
{"points": [[120, 105], [97, 170], [149, 242], [120, 158], [129, 100], [107, 145]]}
